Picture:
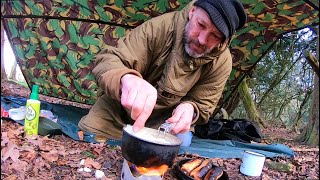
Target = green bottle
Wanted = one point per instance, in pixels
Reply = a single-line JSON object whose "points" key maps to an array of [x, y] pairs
{"points": [[31, 121]]}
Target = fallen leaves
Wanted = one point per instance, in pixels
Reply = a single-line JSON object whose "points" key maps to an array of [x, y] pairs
{"points": [[11, 177], [56, 157], [19, 166], [28, 154], [51, 156], [305, 149], [90, 163], [279, 166], [10, 152], [4, 139]]}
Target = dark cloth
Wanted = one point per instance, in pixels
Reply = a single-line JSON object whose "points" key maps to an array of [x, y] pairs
{"points": [[241, 130]]}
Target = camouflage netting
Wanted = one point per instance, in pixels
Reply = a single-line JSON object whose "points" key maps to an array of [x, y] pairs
{"points": [[55, 41]]}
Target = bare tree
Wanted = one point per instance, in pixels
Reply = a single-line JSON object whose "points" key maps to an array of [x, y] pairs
{"points": [[3, 72], [13, 71]]}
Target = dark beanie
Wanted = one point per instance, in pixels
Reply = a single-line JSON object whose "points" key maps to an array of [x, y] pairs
{"points": [[227, 15]]}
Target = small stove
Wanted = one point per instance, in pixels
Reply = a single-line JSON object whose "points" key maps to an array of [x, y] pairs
{"points": [[129, 173]]}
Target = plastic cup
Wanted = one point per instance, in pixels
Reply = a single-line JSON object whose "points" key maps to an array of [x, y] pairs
{"points": [[185, 138], [17, 114]]}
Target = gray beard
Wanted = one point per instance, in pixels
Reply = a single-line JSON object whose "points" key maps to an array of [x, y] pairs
{"points": [[192, 53]]}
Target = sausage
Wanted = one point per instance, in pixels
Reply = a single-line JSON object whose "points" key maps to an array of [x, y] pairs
{"points": [[214, 173], [199, 172], [190, 165]]}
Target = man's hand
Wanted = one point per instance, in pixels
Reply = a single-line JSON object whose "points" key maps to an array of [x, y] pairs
{"points": [[138, 97], [182, 116]]}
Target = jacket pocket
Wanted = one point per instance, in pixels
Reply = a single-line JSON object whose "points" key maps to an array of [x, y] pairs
{"points": [[169, 99]]}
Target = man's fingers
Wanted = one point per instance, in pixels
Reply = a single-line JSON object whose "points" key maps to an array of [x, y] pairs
{"points": [[175, 116], [138, 105], [139, 97], [140, 121], [148, 108], [145, 114], [138, 124], [182, 116], [132, 95], [181, 125]]}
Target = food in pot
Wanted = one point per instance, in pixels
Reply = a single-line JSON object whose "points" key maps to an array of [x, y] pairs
{"points": [[154, 136], [214, 173], [199, 172], [191, 165]]}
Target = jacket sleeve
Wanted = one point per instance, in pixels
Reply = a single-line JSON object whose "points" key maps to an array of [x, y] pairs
{"points": [[133, 54], [206, 93]]}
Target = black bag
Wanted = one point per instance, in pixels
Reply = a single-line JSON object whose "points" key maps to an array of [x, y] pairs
{"points": [[236, 129]]}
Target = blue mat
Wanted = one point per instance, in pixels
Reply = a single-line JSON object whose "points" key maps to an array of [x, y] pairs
{"points": [[234, 149], [69, 116]]}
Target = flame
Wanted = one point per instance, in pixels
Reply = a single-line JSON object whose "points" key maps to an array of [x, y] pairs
{"points": [[153, 171]]}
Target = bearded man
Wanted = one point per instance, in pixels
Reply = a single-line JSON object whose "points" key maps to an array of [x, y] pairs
{"points": [[172, 68]]}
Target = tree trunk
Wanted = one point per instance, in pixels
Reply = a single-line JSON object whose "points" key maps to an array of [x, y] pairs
{"points": [[13, 71], [298, 117], [231, 104], [3, 72], [248, 103], [310, 134]]}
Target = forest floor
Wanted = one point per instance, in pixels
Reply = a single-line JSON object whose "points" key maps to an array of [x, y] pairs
{"points": [[59, 157]]}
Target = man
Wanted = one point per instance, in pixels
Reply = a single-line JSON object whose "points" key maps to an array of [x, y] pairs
{"points": [[172, 68]]}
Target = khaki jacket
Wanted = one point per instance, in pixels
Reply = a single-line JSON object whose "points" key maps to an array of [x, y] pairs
{"points": [[154, 51]]}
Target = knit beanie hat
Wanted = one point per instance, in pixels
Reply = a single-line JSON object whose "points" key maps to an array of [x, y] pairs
{"points": [[227, 15]]}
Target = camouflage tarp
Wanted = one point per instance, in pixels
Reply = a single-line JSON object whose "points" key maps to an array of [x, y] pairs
{"points": [[55, 41]]}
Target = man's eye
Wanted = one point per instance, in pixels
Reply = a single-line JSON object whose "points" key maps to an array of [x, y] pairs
{"points": [[201, 25], [214, 37]]}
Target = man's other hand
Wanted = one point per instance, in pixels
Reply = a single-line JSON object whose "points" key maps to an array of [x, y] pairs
{"points": [[138, 97], [182, 117]]}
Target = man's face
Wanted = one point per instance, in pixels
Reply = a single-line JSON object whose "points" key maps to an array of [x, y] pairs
{"points": [[201, 36]]}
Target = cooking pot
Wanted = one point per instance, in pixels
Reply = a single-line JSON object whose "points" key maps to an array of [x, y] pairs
{"points": [[149, 147]]}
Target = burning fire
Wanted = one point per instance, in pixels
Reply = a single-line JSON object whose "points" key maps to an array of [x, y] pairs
{"points": [[152, 171]]}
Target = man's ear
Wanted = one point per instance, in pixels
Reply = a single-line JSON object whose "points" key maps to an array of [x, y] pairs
{"points": [[192, 10]]}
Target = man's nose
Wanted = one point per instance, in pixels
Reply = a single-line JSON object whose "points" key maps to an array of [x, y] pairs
{"points": [[203, 38]]}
